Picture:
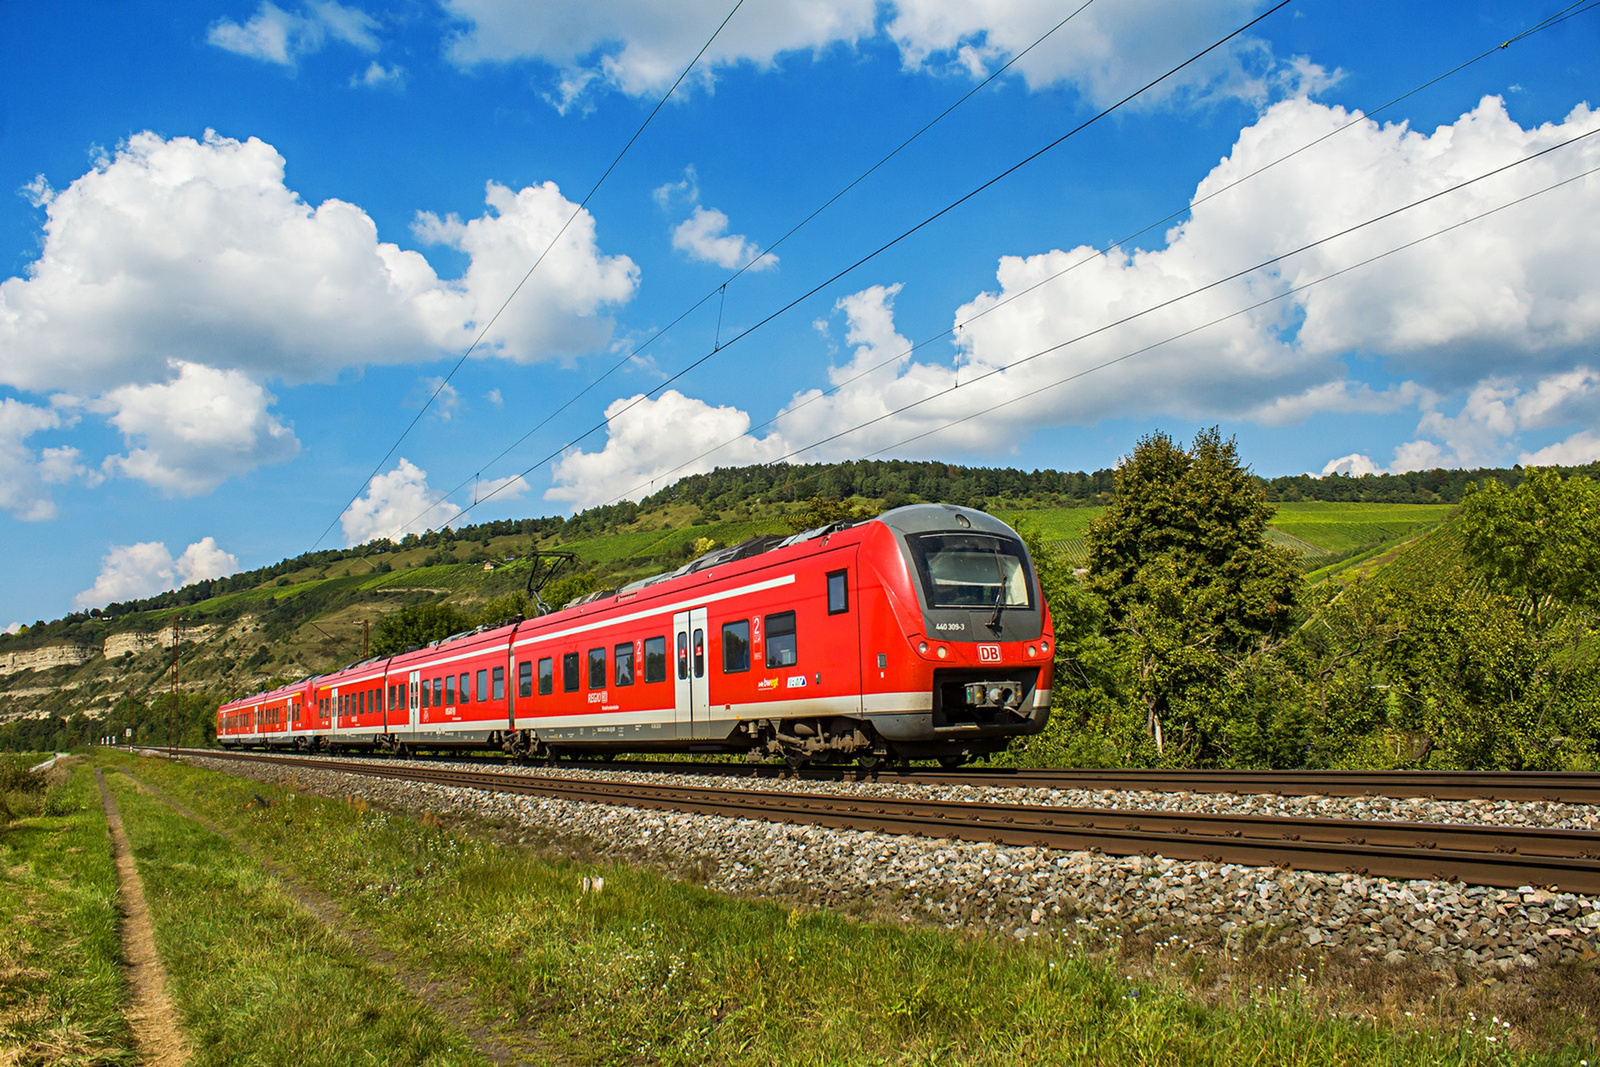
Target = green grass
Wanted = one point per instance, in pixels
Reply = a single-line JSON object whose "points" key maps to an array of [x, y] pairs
{"points": [[655, 971], [61, 993], [257, 978]]}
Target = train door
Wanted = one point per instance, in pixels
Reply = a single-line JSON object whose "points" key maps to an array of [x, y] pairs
{"points": [[412, 699], [689, 648]]}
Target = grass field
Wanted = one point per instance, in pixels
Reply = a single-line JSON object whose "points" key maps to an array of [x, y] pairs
{"points": [[61, 991], [1323, 534], [257, 978], [657, 971]]}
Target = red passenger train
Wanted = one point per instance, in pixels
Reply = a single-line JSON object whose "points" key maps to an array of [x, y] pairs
{"points": [[922, 633]]}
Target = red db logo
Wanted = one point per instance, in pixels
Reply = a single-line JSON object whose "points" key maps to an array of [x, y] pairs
{"points": [[988, 653]]}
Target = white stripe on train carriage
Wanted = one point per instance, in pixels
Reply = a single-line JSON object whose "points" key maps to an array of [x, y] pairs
{"points": [[486, 650], [663, 609], [598, 718]]}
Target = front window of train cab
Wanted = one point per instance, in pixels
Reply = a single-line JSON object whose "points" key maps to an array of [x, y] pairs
{"points": [[972, 570]]}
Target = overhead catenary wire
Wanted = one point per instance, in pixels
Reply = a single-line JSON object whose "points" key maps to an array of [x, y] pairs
{"points": [[884, 247], [721, 290], [1234, 276], [487, 326], [1234, 314], [1571, 11]]}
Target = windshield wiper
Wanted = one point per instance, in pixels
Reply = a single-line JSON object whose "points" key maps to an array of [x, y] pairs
{"points": [[999, 601]]}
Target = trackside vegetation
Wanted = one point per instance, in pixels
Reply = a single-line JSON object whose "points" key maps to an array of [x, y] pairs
{"points": [[257, 978], [61, 990], [1188, 638], [655, 971]]}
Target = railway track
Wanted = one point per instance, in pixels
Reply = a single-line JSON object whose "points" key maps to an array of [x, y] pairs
{"points": [[1565, 787], [1568, 860]]}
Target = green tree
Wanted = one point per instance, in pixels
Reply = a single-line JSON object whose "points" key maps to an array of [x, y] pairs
{"points": [[1539, 542], [416, 625], [503, 609], [1486, 688], [1190, 582]]}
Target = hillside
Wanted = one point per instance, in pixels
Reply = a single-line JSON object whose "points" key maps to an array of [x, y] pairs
{"points": [[309, 614]]}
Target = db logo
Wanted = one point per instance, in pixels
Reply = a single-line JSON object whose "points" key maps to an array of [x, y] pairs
{"points": [[988, 653]]}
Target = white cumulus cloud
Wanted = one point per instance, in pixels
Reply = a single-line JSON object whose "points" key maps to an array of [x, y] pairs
{"points": [[23, 473], [179, 275], [275, 35], [704, 236], [393, 502], [129, 572], [558, 311], [640, 46], [648, 438], [378, 76], [196, 430], [1504, 296]]}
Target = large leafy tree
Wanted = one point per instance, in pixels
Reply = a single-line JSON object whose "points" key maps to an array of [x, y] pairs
{"points": [[1191, 584], [1539, 542]]}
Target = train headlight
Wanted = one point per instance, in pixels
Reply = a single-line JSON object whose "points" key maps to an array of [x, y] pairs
{"points": [[1044, 646], [923, 647], [1032, 652], [943, 652]]}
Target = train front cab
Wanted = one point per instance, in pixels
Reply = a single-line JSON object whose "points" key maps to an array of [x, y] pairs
{"points": [[957, 645]]}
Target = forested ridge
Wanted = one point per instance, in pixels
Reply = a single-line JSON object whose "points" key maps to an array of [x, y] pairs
{"points": [[893, 482]]}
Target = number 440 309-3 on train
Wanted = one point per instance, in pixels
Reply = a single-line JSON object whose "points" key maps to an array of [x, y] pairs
{"points": [[919, 634]]}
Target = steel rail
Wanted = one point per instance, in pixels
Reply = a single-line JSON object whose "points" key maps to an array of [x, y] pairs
{"points": [[1485, 855], [1560, 787], [1566, 787]]}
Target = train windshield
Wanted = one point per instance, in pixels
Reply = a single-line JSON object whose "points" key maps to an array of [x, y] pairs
{"points": [[972, 570]]}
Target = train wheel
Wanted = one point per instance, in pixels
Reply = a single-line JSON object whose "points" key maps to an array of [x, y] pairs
{"points": [[950, 763], [869, 764]]}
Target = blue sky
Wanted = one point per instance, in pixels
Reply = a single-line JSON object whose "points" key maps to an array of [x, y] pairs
{"points": [[244, 243]]}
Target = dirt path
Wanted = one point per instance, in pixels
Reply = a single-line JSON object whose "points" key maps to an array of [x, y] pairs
{"points": [[458, 1009], [152, 1016]]}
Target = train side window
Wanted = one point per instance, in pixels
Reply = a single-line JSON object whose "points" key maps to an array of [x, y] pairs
{"points": [[569, 672], [499, 679], [438, 692], [547, 676], [655, 659], [838, 593], [482, 692], [699, 653], [683, 655], [525, 678], [735, 646], [597, 668], [449, 689], [462, 688], [622, 664], [782, 648]]}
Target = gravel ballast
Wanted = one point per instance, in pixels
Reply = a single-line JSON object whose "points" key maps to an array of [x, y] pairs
{"points": [[1023, 892]]}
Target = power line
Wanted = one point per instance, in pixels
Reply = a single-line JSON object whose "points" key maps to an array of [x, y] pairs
{"points": [[1235, 314], [483, 332], [721, 290], [892, 243], [1571, 11], [1195, 292]]}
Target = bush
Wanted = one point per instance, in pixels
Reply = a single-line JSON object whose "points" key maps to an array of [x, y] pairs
{"points": [[16, 777]]}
